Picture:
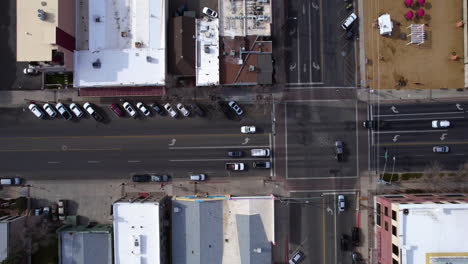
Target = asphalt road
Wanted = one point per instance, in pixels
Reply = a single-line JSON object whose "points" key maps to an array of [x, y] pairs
{"points": [[59, 149], [405, 142]]}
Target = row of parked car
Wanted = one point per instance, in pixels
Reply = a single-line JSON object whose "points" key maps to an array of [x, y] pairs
{"points": [[73, 110]]}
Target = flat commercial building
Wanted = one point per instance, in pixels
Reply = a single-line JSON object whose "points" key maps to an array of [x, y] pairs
{"points": [[207, 51], [421, 228], [125, 45]]}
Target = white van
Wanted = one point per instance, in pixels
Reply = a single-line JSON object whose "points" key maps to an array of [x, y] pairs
{"points": [[346, 25], [260, 152], [10, 181]]}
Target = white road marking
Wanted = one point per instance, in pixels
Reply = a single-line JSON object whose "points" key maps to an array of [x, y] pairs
{"points": [[411, 131], [232, 160], [435, 113], [460, 154], [133, 161], [220, 147], [53, 162], [310, 45], [417, 119], [94, 161]]}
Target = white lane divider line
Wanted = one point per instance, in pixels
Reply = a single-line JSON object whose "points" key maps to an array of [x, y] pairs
{"points": [[133, 161], [94, 161], [237, 160], [53, 162], [220, 147]]}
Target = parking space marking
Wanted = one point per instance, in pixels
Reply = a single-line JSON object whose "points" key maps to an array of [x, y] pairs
{"points": [[220, 147]]}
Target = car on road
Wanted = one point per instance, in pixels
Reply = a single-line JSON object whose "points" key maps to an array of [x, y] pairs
{"points": [[143, 109], [198, 177], [344, 242], [183, 109], [210, 12], [197, 110], [157, 108], [348, 22], [355, 236], [440, 124], [248, 129], [235, 166], [260, 152], [117, 110], [62, 209], [30, 71], [341, 203], [261, 164], [150, 178], [49, 109], [339, 150], [236, 153], [62, 109], [10, 181], [296, 258], [93, 112], [441, 149], [356, 257], [170, 110], [36, 110], [76, 110], [130, 110], [234, 106]]}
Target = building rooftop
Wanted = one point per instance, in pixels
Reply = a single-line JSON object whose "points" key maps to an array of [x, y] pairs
{"points": [[181, 51], [36, 38], [432, 230], [223, 231], [245, 18], [126, 44], [207, 52], [136, 231]]}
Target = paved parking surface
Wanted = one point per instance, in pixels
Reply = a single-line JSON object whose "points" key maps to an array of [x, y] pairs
{"points": [[312, 127]]}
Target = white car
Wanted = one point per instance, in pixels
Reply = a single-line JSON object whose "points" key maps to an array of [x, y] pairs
{"points": [[198, 177], [260, 152], [36, 110], [183, 109], [235, 107], [76, 110], [49, 109], [346, 25], [341, 203], [210, 12], [170, 110], [248, 129], [130, 110], [143, 109], [62, 109], [440, 124], [30, 71]]}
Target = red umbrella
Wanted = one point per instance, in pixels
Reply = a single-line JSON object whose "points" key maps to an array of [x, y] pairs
{"points": [[420, 12], [408, 2], [421, 2], [409, 15]]}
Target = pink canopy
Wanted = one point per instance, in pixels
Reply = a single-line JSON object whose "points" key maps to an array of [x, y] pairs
{"points": [[409, 14], [408, 2], [421, 2], [420, 12]]}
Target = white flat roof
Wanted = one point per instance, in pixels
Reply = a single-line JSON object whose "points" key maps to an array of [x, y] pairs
{"points": [[242, 18], [207, 52], [127, 38], [432, 228], [136, 221]]}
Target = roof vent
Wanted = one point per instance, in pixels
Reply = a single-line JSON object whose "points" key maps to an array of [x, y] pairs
{"points": [[97, 19], [176, 209], [405, 211], [251, 68], [257, 250], [41, 14], [97, 64]]}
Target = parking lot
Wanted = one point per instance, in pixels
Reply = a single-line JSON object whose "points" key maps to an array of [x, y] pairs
{"points": [[312, 128]]}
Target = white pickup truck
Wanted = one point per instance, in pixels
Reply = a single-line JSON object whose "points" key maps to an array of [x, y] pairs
{"points": [[238, 166]]}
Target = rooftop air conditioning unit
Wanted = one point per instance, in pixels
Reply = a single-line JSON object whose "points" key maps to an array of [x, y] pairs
{"points": [[251, 68], [97, 64], [41, 14]]}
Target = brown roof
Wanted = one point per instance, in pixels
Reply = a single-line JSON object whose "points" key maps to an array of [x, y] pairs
{"points": [[181, 52]]}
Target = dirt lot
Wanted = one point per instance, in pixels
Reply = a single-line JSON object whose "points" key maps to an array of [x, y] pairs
{"points": [[390, 59]]}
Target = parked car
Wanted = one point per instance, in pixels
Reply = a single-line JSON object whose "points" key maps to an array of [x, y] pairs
{"points": [[356, 257], [440, 124], [150, 178], [234, 106], [76, 110], [93, 112], [197, 110], [62, 109], [36, 110], [441, 149], [248, 129], [198, 177], [157, 108], [10, 181], [236, 153], [46, 211], [296, 258], [62, 209], [49, 109], [130, 110], [341, 203], [261, 164], [338, 150], [348, 22], [170, 110], [143, 109], [374, 124], [355, 236], [183, 109], [235, 166], [210, 12], [30, 71], [117, 110], [260, 152], [38, 211]]}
